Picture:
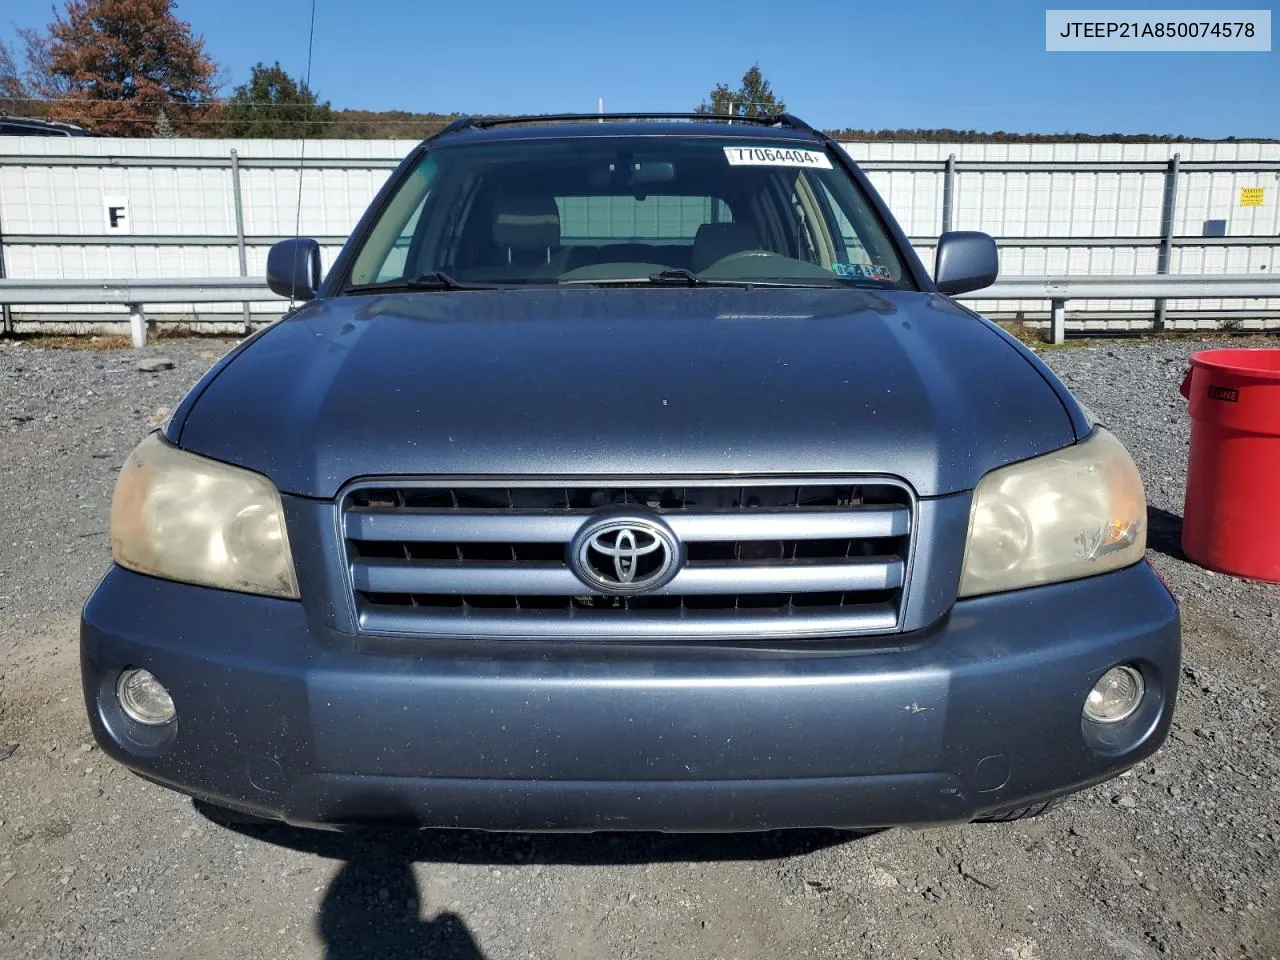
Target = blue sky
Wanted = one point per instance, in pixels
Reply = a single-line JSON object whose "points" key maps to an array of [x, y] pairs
{"points": [[933, 63]]}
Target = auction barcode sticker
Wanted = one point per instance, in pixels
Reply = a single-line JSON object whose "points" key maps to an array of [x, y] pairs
{"points": [[776, 157]]}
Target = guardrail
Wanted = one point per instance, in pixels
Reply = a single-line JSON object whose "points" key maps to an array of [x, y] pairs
{"points": [[135, 294], [1058, 290], [129, 292]]}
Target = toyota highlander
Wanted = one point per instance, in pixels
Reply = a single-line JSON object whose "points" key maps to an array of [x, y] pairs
{"points": [[629, 473]]}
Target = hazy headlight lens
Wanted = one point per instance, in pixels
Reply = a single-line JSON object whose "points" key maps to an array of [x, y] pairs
{"points": [[1072, 513], [1006, 535], [180, 516]]}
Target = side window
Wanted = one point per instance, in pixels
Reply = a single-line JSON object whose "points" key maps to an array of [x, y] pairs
{"points": [[385, 250], [855, 249], [792, 221], [812, 239], [394, 266]]}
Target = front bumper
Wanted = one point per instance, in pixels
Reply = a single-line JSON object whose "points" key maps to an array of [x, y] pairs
{"points": [[279, 716]]}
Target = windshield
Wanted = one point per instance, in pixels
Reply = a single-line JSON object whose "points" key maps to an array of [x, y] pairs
{"points": [[628, 209]]}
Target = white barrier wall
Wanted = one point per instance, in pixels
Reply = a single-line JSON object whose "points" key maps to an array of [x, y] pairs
{"points": [[178, 201], [117, 208], [1051, 195]]}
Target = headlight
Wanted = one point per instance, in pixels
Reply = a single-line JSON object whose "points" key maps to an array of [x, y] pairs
{"points": [[182, 517], [1069, 514]]}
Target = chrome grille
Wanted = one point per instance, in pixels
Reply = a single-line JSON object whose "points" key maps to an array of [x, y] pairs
{"points": [[784, 558]]}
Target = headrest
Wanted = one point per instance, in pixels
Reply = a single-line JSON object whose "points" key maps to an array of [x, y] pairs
{"points": [[526, 222], [714, 241]]}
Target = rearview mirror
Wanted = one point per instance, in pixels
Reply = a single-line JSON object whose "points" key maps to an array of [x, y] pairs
{"points": [[965, 260], [653, 171], [293, 268]]}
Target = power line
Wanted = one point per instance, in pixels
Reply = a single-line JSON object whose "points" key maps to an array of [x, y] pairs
{"points": [[199, 104], [216, 102], [149, 121], [229, 102]]}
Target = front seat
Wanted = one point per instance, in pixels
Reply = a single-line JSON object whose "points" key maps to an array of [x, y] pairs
{"points": [[526, 230], [715, 241]]}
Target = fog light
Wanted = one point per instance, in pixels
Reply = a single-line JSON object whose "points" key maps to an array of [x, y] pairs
{"points": [[1115, 696], [144, 698]]}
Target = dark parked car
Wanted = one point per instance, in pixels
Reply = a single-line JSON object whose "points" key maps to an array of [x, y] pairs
{"points": [[32, 127], [630, 474]]}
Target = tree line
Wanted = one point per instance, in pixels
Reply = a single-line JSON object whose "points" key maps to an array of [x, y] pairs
{"points": [[133, 68]]}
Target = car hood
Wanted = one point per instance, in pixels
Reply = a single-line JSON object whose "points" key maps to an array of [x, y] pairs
{"points": [[627, 382]]}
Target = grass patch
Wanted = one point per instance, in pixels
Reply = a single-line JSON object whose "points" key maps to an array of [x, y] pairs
{"points": [[1033, 337], [104, 343], [111, 342]]}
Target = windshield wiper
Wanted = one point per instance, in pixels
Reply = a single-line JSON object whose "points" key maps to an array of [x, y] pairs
{"points": [[680, 277], [683, 277], [436, 280]]}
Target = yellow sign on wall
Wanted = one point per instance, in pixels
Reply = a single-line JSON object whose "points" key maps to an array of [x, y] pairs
{"points": [[1251, 196]]}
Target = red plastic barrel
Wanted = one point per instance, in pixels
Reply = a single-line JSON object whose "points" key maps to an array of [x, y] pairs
{"points": [[1231, 520]]}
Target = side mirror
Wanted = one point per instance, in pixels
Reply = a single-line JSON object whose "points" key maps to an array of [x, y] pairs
{"points": [[966, 260], [293, 268]]}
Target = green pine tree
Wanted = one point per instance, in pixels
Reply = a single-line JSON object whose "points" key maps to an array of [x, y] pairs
{"points": [[164, 129], [754, 98]]}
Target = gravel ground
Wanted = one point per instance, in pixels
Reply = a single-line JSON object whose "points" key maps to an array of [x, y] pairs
{"points": [[1179, 858]]}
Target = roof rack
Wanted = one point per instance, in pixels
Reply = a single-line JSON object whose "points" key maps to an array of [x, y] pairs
{"points": [[483, 123], [454, 125]]}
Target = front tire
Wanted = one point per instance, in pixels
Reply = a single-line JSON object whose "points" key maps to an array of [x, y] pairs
{"points": [[1024, 812]]}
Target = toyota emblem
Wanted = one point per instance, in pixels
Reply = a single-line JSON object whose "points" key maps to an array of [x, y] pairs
{"points": [[625, 555]]}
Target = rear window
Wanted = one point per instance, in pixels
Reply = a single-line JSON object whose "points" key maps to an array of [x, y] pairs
{"points": [[617, 209], [588, 220]]}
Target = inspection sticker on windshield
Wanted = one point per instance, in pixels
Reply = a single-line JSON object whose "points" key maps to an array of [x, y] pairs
{"points": [[863, 271], [776, 157]]}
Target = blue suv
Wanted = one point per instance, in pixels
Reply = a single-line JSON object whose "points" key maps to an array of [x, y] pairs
{"points": [[629, 473]]}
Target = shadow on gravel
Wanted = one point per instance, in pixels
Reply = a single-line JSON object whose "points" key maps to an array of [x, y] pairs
{"points": [[372, 910], [1164, 533], [572, 849]]}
